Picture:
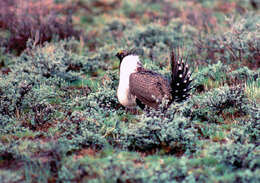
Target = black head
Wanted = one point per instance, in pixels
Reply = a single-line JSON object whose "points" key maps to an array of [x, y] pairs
{"points": [[122, 54]]}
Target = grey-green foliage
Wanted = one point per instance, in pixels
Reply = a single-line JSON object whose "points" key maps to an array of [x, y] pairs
{"points": [[219, 100], [33, 88], [243, 37], [133, 168], [41, 159], [91, 118], [115, 29], [157, 40], [169, 130], [244, 73], [105, 98], [215, 72], [170, 36], [102, 101], [238, 44], [252, 126], [98, 61], [104, 169], [237, 155], [226, 97], [129, 168], [151, 37], [115, 26], [81, 130]]}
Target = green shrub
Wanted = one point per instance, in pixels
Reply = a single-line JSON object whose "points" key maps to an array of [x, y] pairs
{"points": [[237, 155], [168, 131], [209, 106]]}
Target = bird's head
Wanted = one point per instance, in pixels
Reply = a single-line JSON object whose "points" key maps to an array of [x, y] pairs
{"points": [[122, 54], [129, 60]]}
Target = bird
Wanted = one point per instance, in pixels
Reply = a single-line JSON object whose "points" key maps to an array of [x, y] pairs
{"points": [[142, 87]]}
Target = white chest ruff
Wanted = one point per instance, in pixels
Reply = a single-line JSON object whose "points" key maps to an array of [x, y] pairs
{"points": [[125, 97], [128, 66]]}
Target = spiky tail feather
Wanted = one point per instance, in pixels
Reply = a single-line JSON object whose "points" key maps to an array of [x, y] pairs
{"points": [[181, 78]]}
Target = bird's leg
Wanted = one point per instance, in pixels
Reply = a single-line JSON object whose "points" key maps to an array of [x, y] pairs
{"points": [[133, 111]]}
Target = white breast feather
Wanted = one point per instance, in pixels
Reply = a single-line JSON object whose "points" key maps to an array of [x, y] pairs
{"points": [[128, 66]]}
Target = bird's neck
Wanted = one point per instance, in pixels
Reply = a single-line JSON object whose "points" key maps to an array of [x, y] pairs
{"points": [[128, 66]]}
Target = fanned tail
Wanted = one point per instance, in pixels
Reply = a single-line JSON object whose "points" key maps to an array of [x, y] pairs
{"points": [[181, 78]]}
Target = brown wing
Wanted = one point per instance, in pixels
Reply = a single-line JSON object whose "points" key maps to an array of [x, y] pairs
{"points": [[149, 87]]}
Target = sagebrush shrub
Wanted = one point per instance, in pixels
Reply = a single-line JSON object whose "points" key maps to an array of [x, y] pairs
{"points": [[34, 20], [237, 155], [172, 132], [213, 103], [238, 45]]}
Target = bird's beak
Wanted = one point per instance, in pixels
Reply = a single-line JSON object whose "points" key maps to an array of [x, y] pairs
{"points": [[120, 52]]}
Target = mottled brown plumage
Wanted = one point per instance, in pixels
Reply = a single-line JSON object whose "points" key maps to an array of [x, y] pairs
{"points": [[150, 87]]}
